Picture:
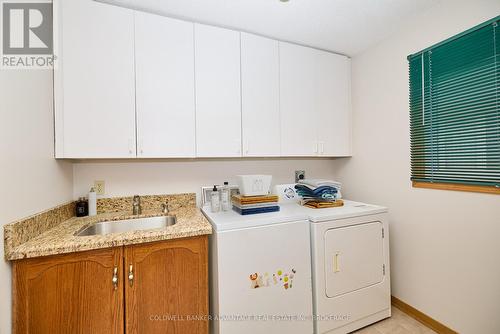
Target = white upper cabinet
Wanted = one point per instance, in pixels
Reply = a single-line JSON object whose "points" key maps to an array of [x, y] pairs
{"points": [[94, 80], [218, 101], [298, 101], [260, 96], [132, 84], [333, 78], [164, 55], [315, 102]]}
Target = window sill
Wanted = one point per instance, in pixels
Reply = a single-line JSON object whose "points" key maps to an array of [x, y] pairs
{"points": [[457, 187]]}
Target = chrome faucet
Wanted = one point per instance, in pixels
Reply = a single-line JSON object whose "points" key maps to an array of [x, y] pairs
{"points": [[164, 208], [136, 205]]}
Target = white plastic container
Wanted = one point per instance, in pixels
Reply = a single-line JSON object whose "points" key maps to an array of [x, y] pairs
{"points": [[92, 202], [254, 185], [225, 194]]}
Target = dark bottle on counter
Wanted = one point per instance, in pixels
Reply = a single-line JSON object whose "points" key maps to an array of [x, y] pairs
{"points": [[82, 207]]}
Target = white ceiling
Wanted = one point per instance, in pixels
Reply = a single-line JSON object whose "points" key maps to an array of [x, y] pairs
{"points": [[344, 26]]}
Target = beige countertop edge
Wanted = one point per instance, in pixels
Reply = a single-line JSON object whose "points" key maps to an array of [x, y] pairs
{"points": [[61, 239]]}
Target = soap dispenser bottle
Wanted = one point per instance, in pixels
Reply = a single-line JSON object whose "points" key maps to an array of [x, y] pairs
{"points": [[215, 200], [82, 207]]}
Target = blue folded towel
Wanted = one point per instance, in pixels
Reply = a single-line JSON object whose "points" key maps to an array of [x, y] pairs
{"points": [[316, 192], [256, 210], [322, 192]]}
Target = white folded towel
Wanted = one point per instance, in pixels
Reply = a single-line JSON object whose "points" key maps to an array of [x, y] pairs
{"points": [[321, 182]]}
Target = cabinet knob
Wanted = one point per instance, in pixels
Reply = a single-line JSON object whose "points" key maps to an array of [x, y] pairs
{"points": [[131, 275], [114, 280], [131, 146], [247, 146]]}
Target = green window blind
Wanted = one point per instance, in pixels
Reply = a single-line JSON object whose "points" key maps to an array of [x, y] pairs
{"points": [[455, 109]]}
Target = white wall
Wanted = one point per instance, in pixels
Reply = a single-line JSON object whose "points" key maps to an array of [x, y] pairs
{"points": [[31, 180], [168, 177], [445, 245]]}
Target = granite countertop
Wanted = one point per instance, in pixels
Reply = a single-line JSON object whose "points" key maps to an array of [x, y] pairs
{"points": [[60, 239]]}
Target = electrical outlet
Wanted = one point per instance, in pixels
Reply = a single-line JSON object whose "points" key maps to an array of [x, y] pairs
{"points": [[99, 187], [299, 175]]}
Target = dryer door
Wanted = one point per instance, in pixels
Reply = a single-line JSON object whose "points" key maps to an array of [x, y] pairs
{"points": [[354, 258]]}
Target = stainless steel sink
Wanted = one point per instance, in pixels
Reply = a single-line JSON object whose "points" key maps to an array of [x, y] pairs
{"points": [[119, 226]]}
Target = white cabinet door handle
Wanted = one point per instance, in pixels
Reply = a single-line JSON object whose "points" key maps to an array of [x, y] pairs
{"points": [[131, 146], [140, 151], [247, 146], [315, 147], [321, 147]]}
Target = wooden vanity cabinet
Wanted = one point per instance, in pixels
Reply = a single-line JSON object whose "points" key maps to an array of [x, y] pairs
{"points": [[70, 293], [169, 289], [159, 287]]}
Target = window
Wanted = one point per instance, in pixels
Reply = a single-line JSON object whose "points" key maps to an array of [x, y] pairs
{"points": [[455, 112]]}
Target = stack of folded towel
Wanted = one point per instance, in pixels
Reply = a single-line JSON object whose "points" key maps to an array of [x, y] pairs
{"points": [[319, 193], [248, 205]]}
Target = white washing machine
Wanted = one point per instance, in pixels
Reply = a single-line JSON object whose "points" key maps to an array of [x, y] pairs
{"points": [[350, 265], [260, 272]]}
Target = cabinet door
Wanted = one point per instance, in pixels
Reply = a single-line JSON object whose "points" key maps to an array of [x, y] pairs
{"points": [[94, 80], [333, 77], [218, 102], [169, 289], [299, 115], [71, 293], [260, 96], [164, 55]]}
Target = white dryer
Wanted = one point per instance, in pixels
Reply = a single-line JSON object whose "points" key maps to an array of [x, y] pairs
{"points": [[350, 265]]}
